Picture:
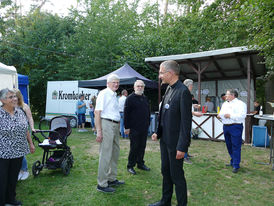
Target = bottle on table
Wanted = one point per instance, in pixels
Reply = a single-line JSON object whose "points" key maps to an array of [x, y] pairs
{"points": [[261, 111]]}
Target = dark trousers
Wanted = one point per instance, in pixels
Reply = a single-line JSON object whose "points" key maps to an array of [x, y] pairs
{"points": [[173, 174], [138, 141], [233, 140], [9, 170]]}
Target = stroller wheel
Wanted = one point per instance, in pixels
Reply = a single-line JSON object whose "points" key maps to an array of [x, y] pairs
{"points": [[71, 161], [65, 167], [36, 168], [73, 122]]}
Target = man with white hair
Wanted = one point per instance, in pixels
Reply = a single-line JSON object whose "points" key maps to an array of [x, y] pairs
{"points": [[137, 120], [189, 85], [233, 114], [107, 119]]}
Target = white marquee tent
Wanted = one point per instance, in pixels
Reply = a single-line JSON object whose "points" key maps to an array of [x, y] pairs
{"points": [[8, 77]]}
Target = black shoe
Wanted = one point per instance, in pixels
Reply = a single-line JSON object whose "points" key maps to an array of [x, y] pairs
{"points": [[105, 189], [235, 170], [159, 204], [14, 202], [115, 183], [143, 167], [131, 170]]}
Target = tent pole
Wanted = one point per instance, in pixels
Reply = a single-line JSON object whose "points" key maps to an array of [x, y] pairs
{"points": [[28, 95]]}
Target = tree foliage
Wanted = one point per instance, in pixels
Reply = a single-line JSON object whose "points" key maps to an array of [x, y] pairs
{"points": [[36, 47], [104, 34], [260, 16]]}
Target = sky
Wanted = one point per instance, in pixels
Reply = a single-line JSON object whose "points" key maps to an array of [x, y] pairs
{"points": [[61, 7], [53, 6]]}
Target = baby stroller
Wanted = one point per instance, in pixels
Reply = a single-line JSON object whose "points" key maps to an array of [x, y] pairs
{"points": [[57, 153]]}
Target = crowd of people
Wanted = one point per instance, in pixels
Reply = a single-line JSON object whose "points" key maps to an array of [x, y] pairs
{"points": [[174, 130], [128, 117]]}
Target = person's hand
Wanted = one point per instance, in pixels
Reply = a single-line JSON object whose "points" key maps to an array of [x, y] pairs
{"points": [[196, 106], [32, 148], [99, 137], [33, 130], [197, 114], [154, 137], [127, 131], [227, 116], [180, 155], [218, 117]]}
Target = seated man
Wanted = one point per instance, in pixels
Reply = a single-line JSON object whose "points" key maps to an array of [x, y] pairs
{"points": [[256, 107]]}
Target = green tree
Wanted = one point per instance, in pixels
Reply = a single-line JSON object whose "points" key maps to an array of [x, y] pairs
{"points": [[260, 16], [35, 46], [102, 35], [103, 30]]}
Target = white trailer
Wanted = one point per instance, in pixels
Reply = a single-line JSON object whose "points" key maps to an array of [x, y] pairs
{"points": [[62, 97]]}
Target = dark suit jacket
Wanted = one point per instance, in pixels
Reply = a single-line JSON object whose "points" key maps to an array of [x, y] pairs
{"points": [[177, 119], [137, 113]]}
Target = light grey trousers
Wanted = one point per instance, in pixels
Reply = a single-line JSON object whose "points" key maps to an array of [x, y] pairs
{"points": [[108, 153]]}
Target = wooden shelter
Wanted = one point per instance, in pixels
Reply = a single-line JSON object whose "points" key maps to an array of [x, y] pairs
{"points": [[215, 65]]}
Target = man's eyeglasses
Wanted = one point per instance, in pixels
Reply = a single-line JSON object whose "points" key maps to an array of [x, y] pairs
{"points": [[163, 72], [139, 86]]}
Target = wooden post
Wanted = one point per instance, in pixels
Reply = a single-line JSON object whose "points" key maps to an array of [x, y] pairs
{"points": [[216, 88], [199, 83], [248, 83], [199, 71], [248, 129]]}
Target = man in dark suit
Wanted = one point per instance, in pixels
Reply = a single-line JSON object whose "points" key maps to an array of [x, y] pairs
{"points": [[174, 133], [137, 120]]}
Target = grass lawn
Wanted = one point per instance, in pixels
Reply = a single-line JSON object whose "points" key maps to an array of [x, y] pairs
{"points": [[209, 181]]}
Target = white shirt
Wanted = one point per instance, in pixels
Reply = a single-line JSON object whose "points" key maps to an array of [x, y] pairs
{"points": [[107, 103], [122, 101], [237, 110]]}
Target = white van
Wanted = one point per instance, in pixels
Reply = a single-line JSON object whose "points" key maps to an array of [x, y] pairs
{"points": [[62, 97]]}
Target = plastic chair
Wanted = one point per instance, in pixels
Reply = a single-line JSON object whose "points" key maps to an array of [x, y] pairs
{"points": [[260, 137]]}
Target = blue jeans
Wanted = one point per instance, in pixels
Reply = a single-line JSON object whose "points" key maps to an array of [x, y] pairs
{"points": [[24, 164], [233, 140], [122, 131], [91, 113], [81, 119]]}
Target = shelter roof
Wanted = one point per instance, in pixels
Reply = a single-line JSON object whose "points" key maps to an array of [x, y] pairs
{"points": [[228, 63]]}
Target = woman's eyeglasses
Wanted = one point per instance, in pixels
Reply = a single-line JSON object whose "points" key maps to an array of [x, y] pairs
{"points": [[11, 97]]}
